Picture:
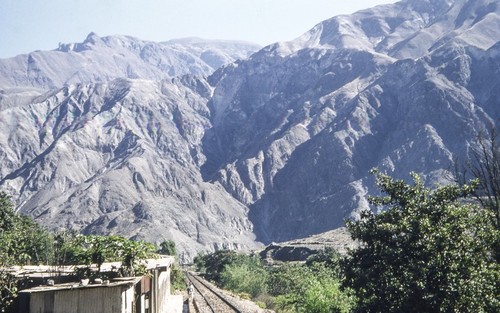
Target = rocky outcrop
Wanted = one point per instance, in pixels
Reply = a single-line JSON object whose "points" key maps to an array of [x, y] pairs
{"points": [[300, 250]]}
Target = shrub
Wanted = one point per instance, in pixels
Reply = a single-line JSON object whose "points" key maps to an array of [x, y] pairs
{"points": [[310, 289], [246, 275]]}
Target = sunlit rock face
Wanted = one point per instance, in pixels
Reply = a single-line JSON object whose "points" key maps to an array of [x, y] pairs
{"points": [[107, 136], [101, 59], [122, 158]]}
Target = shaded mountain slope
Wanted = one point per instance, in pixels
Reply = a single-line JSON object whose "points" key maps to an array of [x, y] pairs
{"points": [[297, 126]]}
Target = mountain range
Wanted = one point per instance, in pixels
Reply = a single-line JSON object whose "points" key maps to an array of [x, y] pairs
{"points": [[221, 145]]}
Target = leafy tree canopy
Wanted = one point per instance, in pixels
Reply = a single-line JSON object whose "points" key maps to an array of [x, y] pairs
{"points": [[213, 264], [167, 247], [428, 252], [22, 242]]}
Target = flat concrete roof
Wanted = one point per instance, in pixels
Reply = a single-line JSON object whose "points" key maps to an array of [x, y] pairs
{"points": [[73, 286], [47, 271]]}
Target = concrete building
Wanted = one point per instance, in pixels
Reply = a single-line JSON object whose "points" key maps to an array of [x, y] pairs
{"points": [[146, 294]]}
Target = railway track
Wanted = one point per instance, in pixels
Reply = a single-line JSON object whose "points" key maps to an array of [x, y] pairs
{"points": [[208, 300]]}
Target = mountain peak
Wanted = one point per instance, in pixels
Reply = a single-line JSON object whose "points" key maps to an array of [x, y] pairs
{"points": [[106, 58], [92, 34], [91, 38], [405, 29]]}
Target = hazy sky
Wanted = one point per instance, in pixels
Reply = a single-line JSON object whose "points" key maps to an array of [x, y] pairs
{"points": [[28, 25]]}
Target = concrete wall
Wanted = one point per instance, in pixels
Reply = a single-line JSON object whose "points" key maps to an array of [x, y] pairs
{"points": [[128, 300], [119, 299], [162, 286], [152, 291], [174, 304]]}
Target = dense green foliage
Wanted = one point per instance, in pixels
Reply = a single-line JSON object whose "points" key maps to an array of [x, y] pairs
{"points": [[95, 249], [428, 252], [167, 247], [313, 287], [310, 288], [245, 275], [66, 248], [177, 277], [213, 264], [22, 242]]}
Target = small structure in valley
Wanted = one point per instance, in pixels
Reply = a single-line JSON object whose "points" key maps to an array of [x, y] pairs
{"points": [[149, 293]]}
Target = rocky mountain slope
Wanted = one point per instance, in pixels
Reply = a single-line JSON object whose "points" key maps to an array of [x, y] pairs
{"points": [[88, 146], [273, 147], [101, 59], [122, 158], [403, 87]]}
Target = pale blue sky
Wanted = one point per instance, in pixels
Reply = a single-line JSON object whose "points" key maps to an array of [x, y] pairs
{"points": [[28, 25]]}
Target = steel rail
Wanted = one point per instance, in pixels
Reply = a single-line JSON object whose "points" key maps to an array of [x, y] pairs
{"points": [[210, 302]]}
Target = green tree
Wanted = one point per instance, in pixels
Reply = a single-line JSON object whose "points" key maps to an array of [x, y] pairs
{"points": [[8, 284], [33, 243], [484, 165], [7, 215], [21, 238], [67, 248], [199, 262], [167, 247], [95, 249], [428, 252], [213, 264], [177, 278], [130, 252], [22, 242]]}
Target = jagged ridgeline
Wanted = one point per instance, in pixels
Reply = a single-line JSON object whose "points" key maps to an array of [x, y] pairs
{"points": [[110, 136]]}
